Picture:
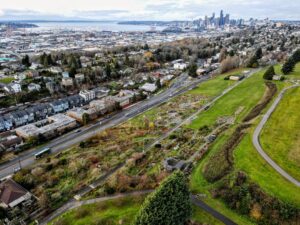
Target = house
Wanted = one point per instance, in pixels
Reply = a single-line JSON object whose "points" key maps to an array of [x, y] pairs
{"points": [[13, 88], [20, 76], [19, 118], [201, 71], [6, 122], [75, 101], [52, 87], [67, 81], [32, 73], [41, 111], [9, 140], [87, 95], [180, 66], [101, 92], [65, 74], [34, 87], [12, 194], [55, 69], [79, 78], [171, 164], [59, 106], [149, 87]]}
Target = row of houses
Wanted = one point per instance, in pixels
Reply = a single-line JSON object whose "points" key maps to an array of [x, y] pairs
{"points": [[42, 111]]}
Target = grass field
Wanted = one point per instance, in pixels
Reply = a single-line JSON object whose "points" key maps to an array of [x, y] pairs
{"points": [[246, 158], [6, 80], [242, 98], [118, 211]]}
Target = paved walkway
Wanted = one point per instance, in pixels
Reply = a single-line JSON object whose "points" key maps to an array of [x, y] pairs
{"points": [[256, 142], [77, 204]]}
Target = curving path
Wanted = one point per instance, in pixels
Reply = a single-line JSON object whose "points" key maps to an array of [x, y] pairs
{"points": [[256, 142]]}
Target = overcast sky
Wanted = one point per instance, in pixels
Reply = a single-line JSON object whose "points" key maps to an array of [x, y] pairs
{"points": [[146, 9]]}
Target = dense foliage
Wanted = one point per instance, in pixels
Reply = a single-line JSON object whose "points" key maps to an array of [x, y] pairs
{"points": [[248, 199], [168, 205], [290, 64], [270, 72]]}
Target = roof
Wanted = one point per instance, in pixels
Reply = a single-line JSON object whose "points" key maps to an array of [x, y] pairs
{"points": [[11, 191]]}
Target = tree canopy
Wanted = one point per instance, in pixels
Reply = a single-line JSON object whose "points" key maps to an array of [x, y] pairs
{"points": [[168, 205], [270, 72]]}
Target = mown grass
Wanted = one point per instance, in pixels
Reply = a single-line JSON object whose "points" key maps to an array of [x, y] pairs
{"points": [[245, 156], [280, 136], [107, 212], [244, 96], [117, 211]]}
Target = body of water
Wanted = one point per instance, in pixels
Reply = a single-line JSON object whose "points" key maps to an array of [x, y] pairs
{"points": [[90, 26]]}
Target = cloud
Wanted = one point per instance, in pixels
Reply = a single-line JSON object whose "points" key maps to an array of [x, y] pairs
{"points": [[148, 9]]}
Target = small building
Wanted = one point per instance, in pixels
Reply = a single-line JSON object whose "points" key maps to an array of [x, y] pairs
{"points": [[148, 87], [79, 78], [52, 87], [180, 66], [48, 128], [201, 72], [67, 81], [87, 95], [236, 77], [34, 87], [13, 88], [12, 194], [59, 106]]}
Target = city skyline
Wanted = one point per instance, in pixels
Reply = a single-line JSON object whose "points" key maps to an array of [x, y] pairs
{"points": [[146, 10]]}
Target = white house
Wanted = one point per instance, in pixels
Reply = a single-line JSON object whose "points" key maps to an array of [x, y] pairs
{"points": [[87, 95], [13, 88], [34, 87], [180, 66], [149, 87]]}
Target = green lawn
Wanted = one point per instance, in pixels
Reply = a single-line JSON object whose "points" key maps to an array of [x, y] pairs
{"points": [[280, 137], [115, 212], [214, 87], [6, 80], [242, 97], [293, 75], [246, 158]]}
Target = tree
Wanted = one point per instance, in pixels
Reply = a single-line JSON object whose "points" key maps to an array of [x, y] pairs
{"points": [[26, 61], [85, 118], [258, 53], [192, 70], [270, 72], [253, 62], [168, 205], [288, 66], [158, 84]]}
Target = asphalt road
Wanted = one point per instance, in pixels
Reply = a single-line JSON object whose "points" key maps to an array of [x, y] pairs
{"points": [[27, 158], [257, 145]]}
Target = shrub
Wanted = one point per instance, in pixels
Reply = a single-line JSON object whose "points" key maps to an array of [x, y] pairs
{"points": [[168, 205]]}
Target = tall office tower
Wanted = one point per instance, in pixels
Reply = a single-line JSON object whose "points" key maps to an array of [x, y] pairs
{"points": [[221, 22], [227, 19]]}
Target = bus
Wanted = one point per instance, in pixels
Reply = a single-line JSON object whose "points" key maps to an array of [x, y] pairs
{"points": [[43, 152]]}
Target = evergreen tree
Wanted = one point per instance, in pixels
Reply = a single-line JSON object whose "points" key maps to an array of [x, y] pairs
{"points": [[168, 205], [253, 62], [192, 70], [158, 84], [270, 72], [26, 61], [258, 53], [288, 66]]}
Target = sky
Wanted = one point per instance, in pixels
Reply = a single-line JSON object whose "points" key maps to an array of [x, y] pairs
{"points": [[146, 9]]}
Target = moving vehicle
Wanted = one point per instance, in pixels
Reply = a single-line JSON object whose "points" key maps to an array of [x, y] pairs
{"points": [[42, 153]]}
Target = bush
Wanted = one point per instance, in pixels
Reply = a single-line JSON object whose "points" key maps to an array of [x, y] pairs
{"points": [[168, 205]]}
